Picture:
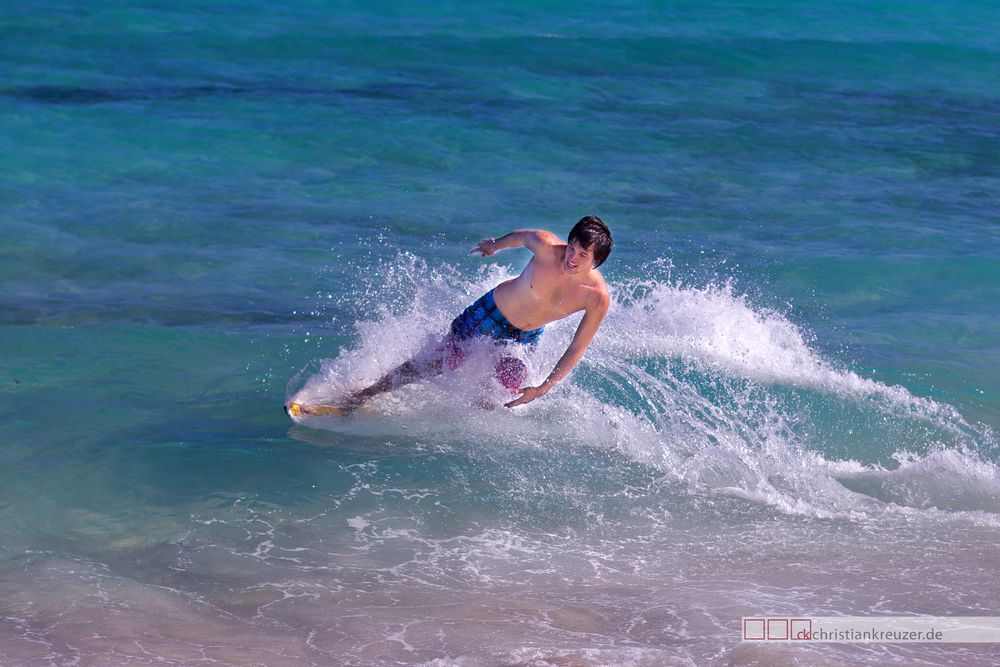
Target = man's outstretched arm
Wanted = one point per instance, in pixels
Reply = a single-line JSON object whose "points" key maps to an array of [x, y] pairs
{"points": [[532, 239], [592, 319]]}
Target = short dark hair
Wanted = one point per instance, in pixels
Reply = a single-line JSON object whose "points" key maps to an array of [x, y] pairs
{"points": [[591, 232]]}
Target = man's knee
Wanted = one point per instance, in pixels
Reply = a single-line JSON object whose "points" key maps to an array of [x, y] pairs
{"points": [[511, 372]]}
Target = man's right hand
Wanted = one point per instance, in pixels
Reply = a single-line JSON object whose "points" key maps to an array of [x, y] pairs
{"points": [[486, 247]]}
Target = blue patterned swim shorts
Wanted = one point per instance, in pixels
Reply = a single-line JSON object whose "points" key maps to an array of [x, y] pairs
{"points": [[483, 318]]}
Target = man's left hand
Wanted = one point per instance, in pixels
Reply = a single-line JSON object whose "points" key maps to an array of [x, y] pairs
{"points": [[528, 394]]}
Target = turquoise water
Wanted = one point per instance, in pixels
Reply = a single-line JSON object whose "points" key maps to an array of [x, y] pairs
{"points": [[791, 408]]}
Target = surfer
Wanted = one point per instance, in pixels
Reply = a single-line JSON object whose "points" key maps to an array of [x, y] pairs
{"points": [[561, 279]]}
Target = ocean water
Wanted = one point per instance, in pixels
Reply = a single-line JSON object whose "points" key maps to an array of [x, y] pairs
{"points": [[791, 408]]}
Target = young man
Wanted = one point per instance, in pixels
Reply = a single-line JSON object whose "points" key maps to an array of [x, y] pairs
{"points": [[561, 279]]}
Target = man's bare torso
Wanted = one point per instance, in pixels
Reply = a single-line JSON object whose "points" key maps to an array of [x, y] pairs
{"points": [[544, 292]]}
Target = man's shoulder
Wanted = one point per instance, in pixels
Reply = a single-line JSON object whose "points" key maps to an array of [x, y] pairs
{"points": [[598, 279], [548, 238], [542, 243], [550, 247], [598, 294]]}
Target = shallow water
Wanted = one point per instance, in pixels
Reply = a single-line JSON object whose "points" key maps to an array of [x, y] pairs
{"points": [[790, 409]]}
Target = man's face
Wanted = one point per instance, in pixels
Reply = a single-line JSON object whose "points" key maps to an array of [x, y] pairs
{"points": [[577, 258]]}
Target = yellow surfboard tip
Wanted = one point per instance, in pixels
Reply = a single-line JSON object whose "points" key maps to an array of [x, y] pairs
{"points": [[296, 410]]}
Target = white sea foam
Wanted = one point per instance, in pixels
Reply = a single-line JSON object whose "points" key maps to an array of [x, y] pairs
{"points": [[695, 380]]}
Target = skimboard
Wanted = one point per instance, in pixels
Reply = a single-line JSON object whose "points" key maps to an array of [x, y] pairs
{"points": [[298, 411]]}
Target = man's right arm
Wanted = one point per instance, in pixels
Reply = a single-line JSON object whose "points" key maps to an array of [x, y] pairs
{"points": [[532, 239]]}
